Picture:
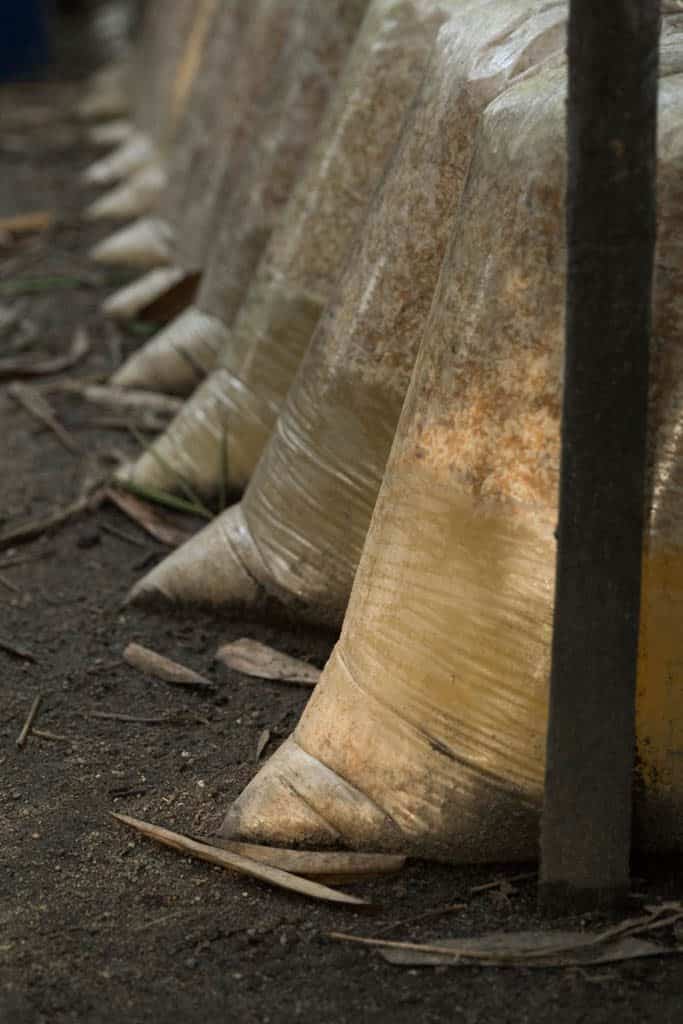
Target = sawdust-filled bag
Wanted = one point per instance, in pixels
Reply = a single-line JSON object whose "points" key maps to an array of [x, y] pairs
{"points": [[298, 533], [255, 184], [214, 60], [167, 64], [218, 436], [427, 729]]}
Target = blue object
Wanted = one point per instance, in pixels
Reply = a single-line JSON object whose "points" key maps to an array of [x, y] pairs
{"points": [[24, 47]]}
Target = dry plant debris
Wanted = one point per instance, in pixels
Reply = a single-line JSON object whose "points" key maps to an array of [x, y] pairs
{"points": [[11, 369], [236, 862], [256, 659], [536, 948], [147, 517], [153, 664]]}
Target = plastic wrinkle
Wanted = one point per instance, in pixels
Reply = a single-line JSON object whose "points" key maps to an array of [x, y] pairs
{"points": [[447, 635]]}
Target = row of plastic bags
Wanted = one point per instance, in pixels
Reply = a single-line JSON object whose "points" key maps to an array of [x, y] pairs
{"points": [[375, 198]]}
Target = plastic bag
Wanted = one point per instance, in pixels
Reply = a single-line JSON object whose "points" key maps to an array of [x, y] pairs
{"points": [[221, 431], [268, 157], [166, 66], [300, 527], [426, 732]]}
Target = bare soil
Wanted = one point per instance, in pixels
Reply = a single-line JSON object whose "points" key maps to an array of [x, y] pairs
{"points": [[96, 924]]}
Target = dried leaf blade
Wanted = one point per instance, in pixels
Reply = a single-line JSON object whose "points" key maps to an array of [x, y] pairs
{"points": [[235, 862], [161, 667], [256, 659]]}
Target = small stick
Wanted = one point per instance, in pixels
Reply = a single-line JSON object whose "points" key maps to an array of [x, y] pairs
{"points": [[8, 584], [30, 719], [45, 734], [127, 399], [122, 535], [180, 719], [18, 652], [12, 368], [37, 527], [34, 404], [525, 876], [9, 563], [437, 912]]}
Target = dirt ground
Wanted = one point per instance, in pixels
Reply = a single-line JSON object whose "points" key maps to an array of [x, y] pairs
{"points": [[96, 924]]}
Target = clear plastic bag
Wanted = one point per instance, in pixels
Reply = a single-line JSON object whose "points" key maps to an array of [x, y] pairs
{"points": [[221, 431], [299, 530], [231, 414], [427, 729], [256, 174]]}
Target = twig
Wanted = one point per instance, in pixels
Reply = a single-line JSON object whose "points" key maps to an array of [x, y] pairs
{"points": [[8, 584], [122, 535], [37, 527], [523, 877], [18, 652], [30, 719], [173, 719], [10, 369], [36, 405], [10, 563], [45, 734], [429, 914]]}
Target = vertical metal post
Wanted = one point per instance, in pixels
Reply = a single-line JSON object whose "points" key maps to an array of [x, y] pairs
{"points": [[611, 139]]}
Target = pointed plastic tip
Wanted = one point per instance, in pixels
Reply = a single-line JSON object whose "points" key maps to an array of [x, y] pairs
{"points": [[205, 572], [176, 359], [270, 809], [146, 243], [110, 133], [127, 302], [134, 153], [132, 199]]}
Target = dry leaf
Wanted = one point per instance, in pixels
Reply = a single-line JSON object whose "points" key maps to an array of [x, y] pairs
{"points": [[27, 223], [155, 523], [327, 866], [535, 949], [14, 368], [157, 665], [255, 659], [235, 862]]}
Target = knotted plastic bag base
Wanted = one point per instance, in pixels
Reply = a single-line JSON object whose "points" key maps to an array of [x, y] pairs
{"points": [[146, 243], [176, 359]]}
